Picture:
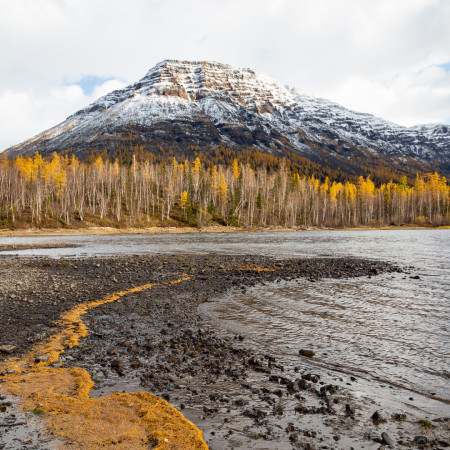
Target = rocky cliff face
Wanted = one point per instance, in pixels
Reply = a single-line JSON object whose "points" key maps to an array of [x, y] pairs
{"points": [[179, 104]]}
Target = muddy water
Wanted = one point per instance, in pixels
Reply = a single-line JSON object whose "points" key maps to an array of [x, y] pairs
{"points": [[394, 328]]}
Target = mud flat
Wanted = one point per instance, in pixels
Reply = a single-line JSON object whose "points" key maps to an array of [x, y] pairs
{"points": [[155, 340], [30, 246]]}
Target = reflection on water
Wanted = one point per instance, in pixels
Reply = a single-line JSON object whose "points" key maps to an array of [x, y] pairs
{"points": [[392, 326]]}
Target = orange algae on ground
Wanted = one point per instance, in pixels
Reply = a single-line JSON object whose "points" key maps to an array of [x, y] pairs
{"points": [[253, 268], [127, 421]]}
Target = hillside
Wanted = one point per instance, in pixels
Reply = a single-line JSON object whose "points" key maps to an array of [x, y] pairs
{"points": [[182, 105]]}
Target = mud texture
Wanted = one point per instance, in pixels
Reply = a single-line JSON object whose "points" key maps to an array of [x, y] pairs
{"points": [[156, 341], [13, 247]]}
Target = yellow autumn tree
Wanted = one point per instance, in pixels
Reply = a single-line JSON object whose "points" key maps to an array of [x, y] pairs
{"points": [[236, 169]]}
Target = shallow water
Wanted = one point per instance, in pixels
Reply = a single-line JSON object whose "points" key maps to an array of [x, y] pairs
{"points": [[393, 327]]}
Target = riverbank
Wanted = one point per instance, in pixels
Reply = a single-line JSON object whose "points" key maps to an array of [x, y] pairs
{"points": [[185, 230], [156, 341]]}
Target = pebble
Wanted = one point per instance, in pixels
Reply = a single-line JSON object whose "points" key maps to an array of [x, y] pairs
{"points": [[377, 417], [421, 440], [387, 439], [8, 349], [307, 353]]}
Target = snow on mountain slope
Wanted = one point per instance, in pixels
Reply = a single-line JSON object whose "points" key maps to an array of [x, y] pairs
{"points": [[180, 103]]}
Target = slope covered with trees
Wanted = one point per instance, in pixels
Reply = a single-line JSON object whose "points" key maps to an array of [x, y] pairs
{"points": [[62, 191]]}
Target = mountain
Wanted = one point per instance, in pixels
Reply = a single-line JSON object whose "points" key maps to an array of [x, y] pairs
{"points": [[180, 104]]}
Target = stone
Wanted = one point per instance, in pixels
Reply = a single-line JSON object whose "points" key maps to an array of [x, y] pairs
{"points": [[349, 410], [8, 349], [421, 440], [307, 353], [40, 359], [387, 439], [117, 364], [377, 417], [302, 384]]}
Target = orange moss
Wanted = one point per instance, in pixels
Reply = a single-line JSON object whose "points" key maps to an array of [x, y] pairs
{"points": [[256, 268], [135, 420]]}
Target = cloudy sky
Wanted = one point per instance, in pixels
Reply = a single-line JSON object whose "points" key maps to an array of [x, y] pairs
{"points": [[390, 58]]}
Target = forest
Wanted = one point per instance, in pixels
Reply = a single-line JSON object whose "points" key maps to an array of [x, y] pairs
{"points": [[62, 192]]}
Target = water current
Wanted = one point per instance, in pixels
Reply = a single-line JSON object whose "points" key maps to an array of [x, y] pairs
{"points": [[393, 327]]}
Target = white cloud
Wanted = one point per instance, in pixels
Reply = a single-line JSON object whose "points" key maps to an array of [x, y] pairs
{"points": [[374, 56], [106, 87], [23, 114], [409, 98]]}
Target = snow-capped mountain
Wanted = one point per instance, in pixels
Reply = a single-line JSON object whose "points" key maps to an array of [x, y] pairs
{"points": [[180, 104]]}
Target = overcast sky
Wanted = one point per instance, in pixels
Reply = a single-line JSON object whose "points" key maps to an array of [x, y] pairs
{"points": [[390, 58]]}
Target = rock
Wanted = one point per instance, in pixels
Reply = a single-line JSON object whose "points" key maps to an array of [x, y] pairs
{"points": [[117, 364], [420, 440], [293, 437], [40, 359], [254, 413], [376, 439], [349, 410], [307, 353], [278, 410], [301, 409], [254, 360], [8, 349], [112, 351], [240, 402], [387, 439], [377, 417]]}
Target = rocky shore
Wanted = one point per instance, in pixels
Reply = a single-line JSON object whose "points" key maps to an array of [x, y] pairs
{"points": [[156, 341]]}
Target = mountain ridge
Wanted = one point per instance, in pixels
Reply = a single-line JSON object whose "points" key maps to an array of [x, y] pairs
{"points": [[182, 104]]}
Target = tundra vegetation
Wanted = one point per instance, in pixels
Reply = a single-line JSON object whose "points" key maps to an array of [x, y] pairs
{"points": [[61, 191]]}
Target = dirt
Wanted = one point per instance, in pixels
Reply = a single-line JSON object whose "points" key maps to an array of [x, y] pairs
{"points": [[238, 395]]}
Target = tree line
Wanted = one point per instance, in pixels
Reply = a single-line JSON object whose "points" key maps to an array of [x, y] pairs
{"points": [[63, 191]]}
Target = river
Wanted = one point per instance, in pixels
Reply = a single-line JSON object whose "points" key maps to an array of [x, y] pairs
{"points": [[393, 327]]}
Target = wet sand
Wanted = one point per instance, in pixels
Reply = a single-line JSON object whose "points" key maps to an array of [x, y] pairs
{"points": [[238, 395], [14, 247]]}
